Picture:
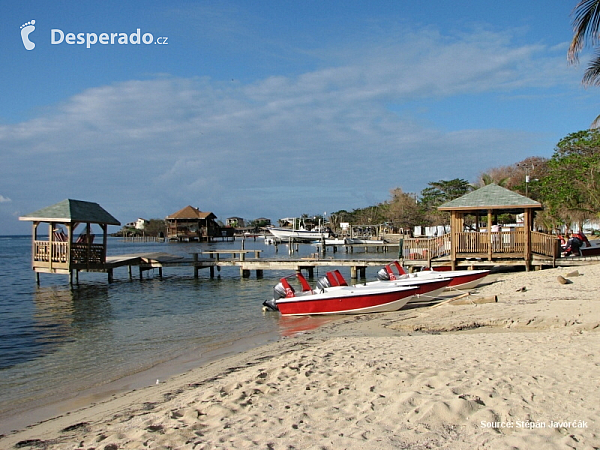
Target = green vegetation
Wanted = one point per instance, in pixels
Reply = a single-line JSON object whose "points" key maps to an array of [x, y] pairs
{"points": [[567, 185]]}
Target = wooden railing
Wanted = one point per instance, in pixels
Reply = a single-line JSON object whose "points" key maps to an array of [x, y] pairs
{"points": [[82, 253], [426, 248], [545, 244], [475, 243], [500, 242], [58, 254]]}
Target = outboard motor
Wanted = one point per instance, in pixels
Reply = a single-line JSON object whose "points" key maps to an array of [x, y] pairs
{"points": [[323, 283], [279, 291], [383, 275]]}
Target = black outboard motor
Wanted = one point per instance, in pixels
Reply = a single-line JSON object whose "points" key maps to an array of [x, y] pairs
{"points": [[383, 275], [323, 283]]}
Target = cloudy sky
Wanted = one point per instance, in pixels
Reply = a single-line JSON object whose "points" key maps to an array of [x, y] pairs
{"points": [[274, 108]]}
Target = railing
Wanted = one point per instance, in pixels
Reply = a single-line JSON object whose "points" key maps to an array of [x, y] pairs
{"points": [[58, 252], [545, 244], [476, 243], [426, 248], [501, 242], [84, 254]]}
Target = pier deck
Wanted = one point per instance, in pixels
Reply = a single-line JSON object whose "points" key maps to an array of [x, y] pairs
{"points": [[238, 258]]}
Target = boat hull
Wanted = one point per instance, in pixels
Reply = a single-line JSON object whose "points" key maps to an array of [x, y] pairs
{"points": [[461, 279], [287, 233], [348, 301]]}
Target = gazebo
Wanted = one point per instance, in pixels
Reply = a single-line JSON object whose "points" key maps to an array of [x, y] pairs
{"points": [[485, 242], [62, 251]]}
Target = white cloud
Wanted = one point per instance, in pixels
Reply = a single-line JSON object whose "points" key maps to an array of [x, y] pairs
{"points": [[285, 145], [4, 199]]}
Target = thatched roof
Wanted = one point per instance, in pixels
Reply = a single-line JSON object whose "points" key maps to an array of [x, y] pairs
{"points": [[70, 211]]}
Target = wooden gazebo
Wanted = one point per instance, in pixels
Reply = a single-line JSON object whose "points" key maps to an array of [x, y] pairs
{"points": [[484, 242], [62, 251]]}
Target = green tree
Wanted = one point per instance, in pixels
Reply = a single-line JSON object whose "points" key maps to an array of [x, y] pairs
{"points": [[571, 190], [440, 192]]}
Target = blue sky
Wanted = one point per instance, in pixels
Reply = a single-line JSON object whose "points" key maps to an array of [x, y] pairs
{"points": [[276, 108]]}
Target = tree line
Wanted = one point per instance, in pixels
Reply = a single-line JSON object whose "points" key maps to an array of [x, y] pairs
{"points": [[567, 185]]}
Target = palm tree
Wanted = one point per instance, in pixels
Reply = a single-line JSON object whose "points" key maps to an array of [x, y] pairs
{"points": [[586, 25]]}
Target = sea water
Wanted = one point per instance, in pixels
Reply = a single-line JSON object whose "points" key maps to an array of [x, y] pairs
{"points": [[58, 341]]}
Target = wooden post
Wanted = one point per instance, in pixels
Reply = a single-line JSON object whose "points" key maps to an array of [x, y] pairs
{"points": [[195, 265], [490, 237], [353, 272]]}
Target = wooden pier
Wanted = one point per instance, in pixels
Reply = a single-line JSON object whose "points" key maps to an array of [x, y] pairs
{"points": [[233, 258]]}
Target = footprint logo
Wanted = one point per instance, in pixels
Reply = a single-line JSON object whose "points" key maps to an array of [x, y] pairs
{"points": [[26, 30]]}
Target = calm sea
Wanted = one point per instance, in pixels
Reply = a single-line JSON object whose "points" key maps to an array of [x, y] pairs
{"points": [[59, 342]]}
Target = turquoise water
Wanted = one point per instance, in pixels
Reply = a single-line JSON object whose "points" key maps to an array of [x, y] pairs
{"points": [[58, 341]]}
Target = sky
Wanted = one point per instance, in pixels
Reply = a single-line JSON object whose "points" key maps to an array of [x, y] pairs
{"points": [[274, 108]]}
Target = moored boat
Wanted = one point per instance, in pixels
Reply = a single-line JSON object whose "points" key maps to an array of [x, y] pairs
{"points": [[460, 279], [338, 299], [285, 234]]}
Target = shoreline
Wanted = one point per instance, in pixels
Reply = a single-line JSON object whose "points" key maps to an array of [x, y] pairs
{"points": [[496, 375]]}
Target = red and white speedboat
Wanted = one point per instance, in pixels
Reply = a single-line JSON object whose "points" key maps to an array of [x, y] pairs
{"points": [[338, 299], [460, 279]]}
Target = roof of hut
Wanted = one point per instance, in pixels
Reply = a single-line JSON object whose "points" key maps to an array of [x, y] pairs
{"points": [[69, 211], [191, 213], [490, 196]]}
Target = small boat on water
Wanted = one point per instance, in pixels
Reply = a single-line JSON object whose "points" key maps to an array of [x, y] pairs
{"points": [[284, 234], [338, 299], [460, 279]]}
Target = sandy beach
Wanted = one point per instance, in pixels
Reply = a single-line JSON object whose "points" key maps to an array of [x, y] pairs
{"points": [[519, 373]]}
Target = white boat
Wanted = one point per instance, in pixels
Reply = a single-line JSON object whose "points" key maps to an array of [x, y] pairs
{"points": [[460, 279], [285, 234]]}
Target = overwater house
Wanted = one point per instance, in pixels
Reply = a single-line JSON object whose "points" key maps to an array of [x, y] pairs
{"points": [[191, 224], [64, 249]]}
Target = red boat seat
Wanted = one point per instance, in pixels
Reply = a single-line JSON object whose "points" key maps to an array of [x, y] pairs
{"points": [[340, 278]]}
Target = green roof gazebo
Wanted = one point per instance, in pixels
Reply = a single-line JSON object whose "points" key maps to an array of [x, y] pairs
{"points": [[62, 252], [520, 243]]}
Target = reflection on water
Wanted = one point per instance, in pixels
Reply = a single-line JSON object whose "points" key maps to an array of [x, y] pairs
{"points": [[293, 325], [56, 341]]}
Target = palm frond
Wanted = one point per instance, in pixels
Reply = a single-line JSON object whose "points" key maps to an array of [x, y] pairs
{"points": [[591, 77], [586, 23]]}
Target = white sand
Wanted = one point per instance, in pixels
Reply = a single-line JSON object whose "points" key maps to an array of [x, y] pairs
{"points": [[520, 373]]}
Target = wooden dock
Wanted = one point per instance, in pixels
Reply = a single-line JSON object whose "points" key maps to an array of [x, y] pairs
{"points": [[239, 258], [234, 258]]}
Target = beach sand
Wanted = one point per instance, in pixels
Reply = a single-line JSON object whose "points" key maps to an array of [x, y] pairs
{"points": [[519, 373]]}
